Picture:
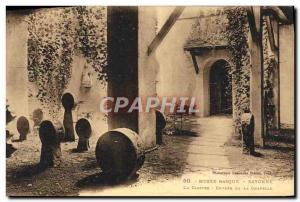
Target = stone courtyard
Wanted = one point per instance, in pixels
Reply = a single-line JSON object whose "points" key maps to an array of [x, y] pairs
{"points": [[205, 145], [235, 63]]}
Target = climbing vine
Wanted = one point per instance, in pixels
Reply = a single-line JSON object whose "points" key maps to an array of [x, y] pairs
{"points": [[269, 65], [209, 31], [91, 38], [236, 32], [229, 27], [54, 36]]}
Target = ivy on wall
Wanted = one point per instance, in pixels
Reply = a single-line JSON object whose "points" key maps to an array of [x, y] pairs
{"points": [[91, 38], [236, 31], [54, 37], [229, 27], [269, 66]]}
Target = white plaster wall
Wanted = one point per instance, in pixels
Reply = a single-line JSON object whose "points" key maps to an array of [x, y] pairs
{"points": [[287, 74], [16, 64], [88, 97], [177, 75]]}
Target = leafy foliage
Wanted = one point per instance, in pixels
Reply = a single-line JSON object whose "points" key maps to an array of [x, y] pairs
{"points": [[270, 64], [236, 32], [229, 26], [54, 36]]}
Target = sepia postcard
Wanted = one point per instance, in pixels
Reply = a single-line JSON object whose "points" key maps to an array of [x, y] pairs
{"points": [[150, 101]]}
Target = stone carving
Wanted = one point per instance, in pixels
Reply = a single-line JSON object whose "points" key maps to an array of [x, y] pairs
{"points": [[248, 133], [50, 136], [68, 103], [23, 127], [84, 131]]}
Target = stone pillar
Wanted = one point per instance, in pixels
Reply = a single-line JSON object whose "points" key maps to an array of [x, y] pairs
{"points": [[122, 52], [276, 93], [273, 54], [131, 71], [256, 85], [203, 85], [276, 90], [147, 73]]}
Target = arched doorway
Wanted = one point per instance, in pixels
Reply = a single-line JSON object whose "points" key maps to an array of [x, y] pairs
{"points": [[220, 88]]}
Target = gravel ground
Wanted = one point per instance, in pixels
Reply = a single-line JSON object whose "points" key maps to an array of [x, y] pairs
{"points": [[79, 170]]}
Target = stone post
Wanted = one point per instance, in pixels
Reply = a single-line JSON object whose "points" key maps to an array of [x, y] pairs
{"points": [[247, 131], [160, 125], [68, 103], [50, 138], [84, 132], [23, 127]]}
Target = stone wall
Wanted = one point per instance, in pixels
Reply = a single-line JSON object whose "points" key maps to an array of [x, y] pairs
{"points": [[176, 75]]}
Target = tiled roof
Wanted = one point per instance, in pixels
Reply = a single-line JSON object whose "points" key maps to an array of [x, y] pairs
{"points": [[200, 43]]}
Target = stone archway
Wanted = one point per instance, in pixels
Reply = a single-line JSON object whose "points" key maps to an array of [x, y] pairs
{"points": [[220, 88], [206, 60]]}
